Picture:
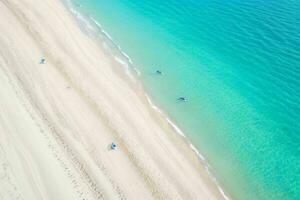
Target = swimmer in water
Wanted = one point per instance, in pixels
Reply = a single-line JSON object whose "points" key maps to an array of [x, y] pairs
{"points": [[182, 99], [158, 72]]}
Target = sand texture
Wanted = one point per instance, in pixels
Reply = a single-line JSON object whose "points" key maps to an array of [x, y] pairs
{"points": [[58, 119]]}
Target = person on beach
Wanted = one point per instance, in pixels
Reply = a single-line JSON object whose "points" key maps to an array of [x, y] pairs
{"points": [[42, 61], [113, 146]]}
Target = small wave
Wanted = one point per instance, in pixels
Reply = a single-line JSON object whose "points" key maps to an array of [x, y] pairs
{"points": [[82, 19], [95, 21], [223, 193], [126, 66]]}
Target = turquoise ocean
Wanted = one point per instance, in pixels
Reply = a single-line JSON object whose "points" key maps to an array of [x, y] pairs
{"points": [[238, 64]]}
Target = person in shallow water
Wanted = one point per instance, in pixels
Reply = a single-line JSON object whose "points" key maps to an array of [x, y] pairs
{"points": [[158, 72], [182, 99]]}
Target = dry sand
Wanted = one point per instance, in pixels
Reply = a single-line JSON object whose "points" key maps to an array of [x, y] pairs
{"points": [[58, 119]]}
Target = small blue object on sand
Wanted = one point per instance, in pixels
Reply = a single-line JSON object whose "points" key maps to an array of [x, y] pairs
{"points": [[42, 61], [113, 146]]}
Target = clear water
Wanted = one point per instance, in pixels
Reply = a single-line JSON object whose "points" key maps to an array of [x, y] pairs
{"points": [[238, 63]]}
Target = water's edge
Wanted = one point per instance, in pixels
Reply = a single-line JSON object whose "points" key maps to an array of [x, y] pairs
{"points": [[94, 29]]}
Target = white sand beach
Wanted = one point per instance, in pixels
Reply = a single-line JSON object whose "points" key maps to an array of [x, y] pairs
{"points": [[58, 119]]}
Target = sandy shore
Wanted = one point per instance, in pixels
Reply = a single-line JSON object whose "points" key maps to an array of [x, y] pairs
{"points": [[58, 119]]}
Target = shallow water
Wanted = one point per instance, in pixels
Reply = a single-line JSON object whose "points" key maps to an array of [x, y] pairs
{"points": [[238, 64]]}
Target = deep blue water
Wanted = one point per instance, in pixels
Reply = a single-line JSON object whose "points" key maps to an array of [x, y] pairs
{"points": [[238, 63]]}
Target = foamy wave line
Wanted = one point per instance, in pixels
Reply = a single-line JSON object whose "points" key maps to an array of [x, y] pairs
{"points": [[118, 59], [111, 39], [180, 132], [91, 26], [87, 22], [126, 66]]}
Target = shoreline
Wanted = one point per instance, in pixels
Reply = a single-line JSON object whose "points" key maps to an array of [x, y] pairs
{"points": [[133, 73], [84, 83]]}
